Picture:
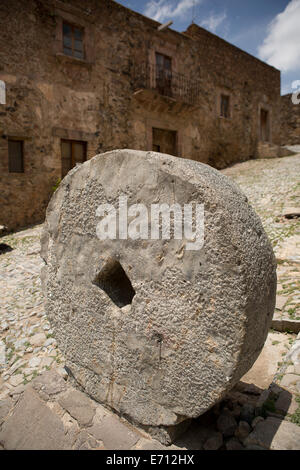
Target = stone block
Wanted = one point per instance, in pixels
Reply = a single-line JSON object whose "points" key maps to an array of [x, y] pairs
{"points": [[78, 405], [33, 426], [275, 434], [114, 434]]}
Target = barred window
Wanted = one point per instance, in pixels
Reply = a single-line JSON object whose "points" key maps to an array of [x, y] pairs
{"points": [[16, 156]]}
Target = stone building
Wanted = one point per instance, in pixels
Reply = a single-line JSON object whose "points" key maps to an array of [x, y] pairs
{"points": [[85, 77], [290, 121]]}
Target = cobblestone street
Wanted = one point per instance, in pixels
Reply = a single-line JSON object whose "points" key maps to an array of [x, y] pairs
{"points": [[27, 346]]}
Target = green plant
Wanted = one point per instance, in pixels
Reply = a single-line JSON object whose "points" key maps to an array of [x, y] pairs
{"points": [[295, 418], [54, 188], [291, 312]]}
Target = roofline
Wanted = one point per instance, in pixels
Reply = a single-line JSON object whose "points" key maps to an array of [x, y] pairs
{"points": [[184, 34], [233, 45], [151, 21]]}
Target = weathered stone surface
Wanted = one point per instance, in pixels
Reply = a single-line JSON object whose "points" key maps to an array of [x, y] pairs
{"points": [[289, 380], [87, 442], [5, 407], [197, 320], [16, 380], [234, 444], [226, 424], [280, 301], [214, 442], [146, 444], [291, 212], [247, 413], [78, 405], [243, 430], [286, 403], [38, 339], [33, 426], [167, 434], [257, 419], [285, 323], [275, 434], [114, 434], [50, 383]]}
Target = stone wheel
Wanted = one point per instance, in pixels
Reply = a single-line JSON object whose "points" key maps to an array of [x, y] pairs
{"points": [[157, 332]]}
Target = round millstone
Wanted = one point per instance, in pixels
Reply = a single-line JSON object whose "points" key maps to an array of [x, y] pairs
{"points": [[156, 331]]}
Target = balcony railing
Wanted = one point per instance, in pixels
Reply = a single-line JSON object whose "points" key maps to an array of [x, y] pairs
{"points": [[166, 83]]}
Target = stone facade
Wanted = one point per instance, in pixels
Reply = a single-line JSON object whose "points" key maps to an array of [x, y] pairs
{"points": [[113, 98], [290, 121]]}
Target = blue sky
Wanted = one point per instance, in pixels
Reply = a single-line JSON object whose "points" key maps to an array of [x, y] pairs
{"points": [[267, 29]]}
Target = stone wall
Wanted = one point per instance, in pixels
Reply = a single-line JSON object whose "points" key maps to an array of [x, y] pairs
{"points": [[51, 96], [290, 121]]}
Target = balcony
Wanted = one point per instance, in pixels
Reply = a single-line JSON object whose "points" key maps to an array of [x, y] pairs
{"points": [[152, 83]]}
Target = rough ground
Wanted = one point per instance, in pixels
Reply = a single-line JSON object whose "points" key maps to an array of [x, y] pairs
{"points": [[271, 389]]}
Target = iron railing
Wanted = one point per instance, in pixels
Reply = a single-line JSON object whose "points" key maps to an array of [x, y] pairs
{"points": [[166, 83]]}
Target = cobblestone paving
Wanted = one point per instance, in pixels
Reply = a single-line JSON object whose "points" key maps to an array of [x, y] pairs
{"points": [[27, 347], [26, 343], [272, 187]]}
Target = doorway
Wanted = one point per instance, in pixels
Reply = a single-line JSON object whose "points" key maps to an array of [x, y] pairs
{"points": [[164, 141]]}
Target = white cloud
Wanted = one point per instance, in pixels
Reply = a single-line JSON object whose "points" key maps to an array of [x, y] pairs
{"points": [[213, 21], [281, 47], [161, 10]]}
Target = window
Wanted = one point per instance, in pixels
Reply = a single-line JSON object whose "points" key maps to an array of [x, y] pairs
{"points": [[73, 40], [264, 125], [15, 156], [72, 152], [163, 74], [225, 102]]}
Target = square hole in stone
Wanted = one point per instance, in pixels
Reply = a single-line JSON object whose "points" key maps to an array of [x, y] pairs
{"points": [[113, 280]]}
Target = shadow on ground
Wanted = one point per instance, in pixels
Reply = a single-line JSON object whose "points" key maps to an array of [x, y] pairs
{"points": [[248, 418]]}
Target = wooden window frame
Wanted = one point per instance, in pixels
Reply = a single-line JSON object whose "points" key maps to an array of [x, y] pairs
{"points": [[80, 28], [72, 142], [21, 141]]}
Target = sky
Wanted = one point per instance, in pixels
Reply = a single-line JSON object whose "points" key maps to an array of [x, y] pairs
{"points": [[267, 29]]}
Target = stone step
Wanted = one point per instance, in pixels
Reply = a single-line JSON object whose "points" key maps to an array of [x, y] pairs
{"points": [[286, 324]]}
